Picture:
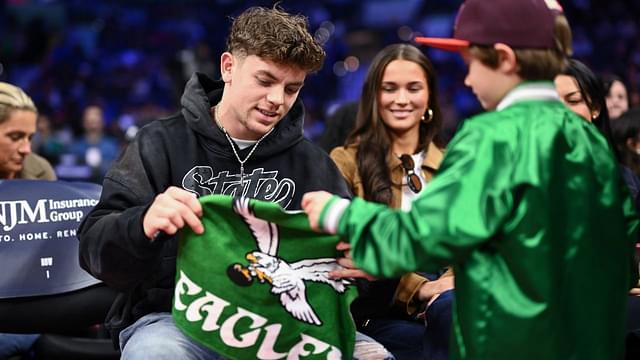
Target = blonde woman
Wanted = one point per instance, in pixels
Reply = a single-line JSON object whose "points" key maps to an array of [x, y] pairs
{"points": [[18, 117]]}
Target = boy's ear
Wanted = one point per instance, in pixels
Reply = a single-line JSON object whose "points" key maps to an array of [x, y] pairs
{"points": [[507, 61], [226, 65]]}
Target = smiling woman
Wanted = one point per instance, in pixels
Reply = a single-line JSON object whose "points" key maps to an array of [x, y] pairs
{"points": [[18, 117], [389, 158]]}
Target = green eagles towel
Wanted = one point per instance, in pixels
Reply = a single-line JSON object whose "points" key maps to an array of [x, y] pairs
{"points": [[255, 285]]}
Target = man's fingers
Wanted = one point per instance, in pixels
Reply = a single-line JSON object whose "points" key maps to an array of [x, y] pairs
{"points": [[187, 198], [165, 225], [193, 220], [171, 210], [343, 246]]}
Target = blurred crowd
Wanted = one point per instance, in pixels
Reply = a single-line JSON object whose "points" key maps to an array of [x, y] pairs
{"points": [[100, 70]]}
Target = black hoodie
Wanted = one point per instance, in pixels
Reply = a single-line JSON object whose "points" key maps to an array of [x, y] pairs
{"points": [[187, 150]]}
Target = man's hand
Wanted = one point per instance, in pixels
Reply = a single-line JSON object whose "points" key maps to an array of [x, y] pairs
{"points": [[350, 271], [170, 211], [312, 204]]}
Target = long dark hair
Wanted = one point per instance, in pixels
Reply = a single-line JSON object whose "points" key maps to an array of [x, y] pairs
{"points": [[594, 95], [626, 127], [372, 135]]}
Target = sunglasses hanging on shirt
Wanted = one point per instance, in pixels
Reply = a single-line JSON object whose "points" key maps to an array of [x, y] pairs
{"points": [[413, 181]]}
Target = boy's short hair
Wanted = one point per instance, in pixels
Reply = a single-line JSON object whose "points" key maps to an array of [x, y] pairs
{"points": [[536, 29], [534, 64], [275, 35]]}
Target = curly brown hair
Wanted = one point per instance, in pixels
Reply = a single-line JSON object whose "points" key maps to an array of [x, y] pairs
{"points": [[275, 35]]}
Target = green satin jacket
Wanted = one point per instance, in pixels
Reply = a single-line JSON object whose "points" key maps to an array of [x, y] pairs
{"points": [[529, 207]]}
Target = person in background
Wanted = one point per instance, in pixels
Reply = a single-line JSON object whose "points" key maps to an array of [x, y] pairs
{"points": [[46, 142], [626, 136], [94, 148], [528, 205], [389, 158], [18, 116], [239, 136], [338, 126], [583, 92], [617, 96]]}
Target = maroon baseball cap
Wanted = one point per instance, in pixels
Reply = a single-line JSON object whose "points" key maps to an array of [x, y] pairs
{"points": [[517, 23]]}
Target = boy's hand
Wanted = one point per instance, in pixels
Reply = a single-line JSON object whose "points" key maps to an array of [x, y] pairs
{"points": [[170, 211], [312, 204]]}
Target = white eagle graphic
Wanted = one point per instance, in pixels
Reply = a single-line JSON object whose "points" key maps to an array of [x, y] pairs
{"points": [[287, 279]]}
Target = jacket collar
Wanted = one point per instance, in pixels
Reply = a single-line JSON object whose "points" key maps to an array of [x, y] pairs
{"points": [[527, 91], [432, 159]]}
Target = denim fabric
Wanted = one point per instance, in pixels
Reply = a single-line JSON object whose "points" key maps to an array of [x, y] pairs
{"points": [[438, 320], [403, 338], [367, 348], [16, 344], [155, 336]]}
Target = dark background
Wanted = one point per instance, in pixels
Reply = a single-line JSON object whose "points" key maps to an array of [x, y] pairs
{"points": [[134, 57]]}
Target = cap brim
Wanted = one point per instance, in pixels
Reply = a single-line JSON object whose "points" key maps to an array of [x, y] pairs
{"points": [[448, 44]]}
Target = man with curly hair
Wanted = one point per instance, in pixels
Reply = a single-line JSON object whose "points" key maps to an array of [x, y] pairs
{"points": [[238, 136]]}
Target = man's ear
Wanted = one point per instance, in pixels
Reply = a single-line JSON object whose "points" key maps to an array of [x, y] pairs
{"points": [[507, 61], [226, 65]]}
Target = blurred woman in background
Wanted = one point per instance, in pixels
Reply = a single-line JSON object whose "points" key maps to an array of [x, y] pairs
{"points": [[617, 96], [626, 136], [582, 91], [18, 116]]}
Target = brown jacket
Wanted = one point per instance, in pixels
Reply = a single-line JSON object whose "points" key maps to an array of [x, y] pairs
{"points": [[36, 167], [345, 159]]}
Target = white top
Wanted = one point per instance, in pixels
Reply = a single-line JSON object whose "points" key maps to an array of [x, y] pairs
{"points": [[243, 144]]}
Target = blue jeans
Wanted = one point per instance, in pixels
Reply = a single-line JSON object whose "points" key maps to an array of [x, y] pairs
{"points": [[438, 327], [409, 340], [404, 338], [16, 344], [155, 336]]}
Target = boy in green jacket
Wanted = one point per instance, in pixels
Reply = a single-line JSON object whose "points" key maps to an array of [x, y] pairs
{"points": [[527, 206]]}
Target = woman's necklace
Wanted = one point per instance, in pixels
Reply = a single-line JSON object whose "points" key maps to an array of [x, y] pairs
{"points": [[216, 117]]}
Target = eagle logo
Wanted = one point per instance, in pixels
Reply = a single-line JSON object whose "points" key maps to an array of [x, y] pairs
{"points": [[287, 280]]}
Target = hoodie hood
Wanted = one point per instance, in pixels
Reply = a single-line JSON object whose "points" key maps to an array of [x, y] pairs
{"points": [[202, 92]]}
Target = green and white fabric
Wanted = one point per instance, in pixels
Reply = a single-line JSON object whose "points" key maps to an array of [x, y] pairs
{"points": [[255, 285]]}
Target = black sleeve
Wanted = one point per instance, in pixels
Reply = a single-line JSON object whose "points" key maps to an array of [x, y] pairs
{"points": [[113, 246]]}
